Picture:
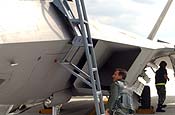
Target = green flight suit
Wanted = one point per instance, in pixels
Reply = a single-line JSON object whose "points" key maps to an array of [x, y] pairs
{"points": [[115, 89]]}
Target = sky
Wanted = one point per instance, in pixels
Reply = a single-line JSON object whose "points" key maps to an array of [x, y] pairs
{"points": [[137, 16]]}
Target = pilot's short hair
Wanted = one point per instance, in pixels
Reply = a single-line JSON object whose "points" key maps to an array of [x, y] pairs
{"points": [[163, 64], [122, 72]]}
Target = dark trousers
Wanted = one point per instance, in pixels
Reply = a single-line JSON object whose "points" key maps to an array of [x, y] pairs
{"points": [[161, 91]]}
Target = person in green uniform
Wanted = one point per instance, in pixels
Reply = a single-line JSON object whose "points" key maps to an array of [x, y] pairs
{"points": [[117, 85], [161, 78]]}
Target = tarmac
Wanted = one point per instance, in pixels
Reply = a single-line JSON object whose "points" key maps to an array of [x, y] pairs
{"points": [[85, 106]]}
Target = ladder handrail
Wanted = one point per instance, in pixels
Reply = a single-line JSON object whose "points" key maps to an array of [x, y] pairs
{"points": [[93, 60], [84, 29]]}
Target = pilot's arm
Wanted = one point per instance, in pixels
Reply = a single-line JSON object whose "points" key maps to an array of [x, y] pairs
{"points": [[112, 97]]}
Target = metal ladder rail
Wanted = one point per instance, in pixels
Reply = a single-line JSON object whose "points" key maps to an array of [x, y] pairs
{"points": [[89, 51], [90, 54]]}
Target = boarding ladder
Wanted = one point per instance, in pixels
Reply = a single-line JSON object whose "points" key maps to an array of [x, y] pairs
{"points": [[83, 38]]}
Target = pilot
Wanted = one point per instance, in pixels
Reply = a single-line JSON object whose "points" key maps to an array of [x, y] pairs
{"points": [[160, 81], [118, 79]]}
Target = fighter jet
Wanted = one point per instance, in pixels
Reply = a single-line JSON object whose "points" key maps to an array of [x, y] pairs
{"points": [[36, 36]]}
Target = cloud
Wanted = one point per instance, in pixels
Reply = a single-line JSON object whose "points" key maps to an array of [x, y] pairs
{"points": [[104, 8], [121, 14], [138, 16]]}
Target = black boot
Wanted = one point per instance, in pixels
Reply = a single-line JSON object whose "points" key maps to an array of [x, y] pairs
{"points": [[163, 106], [160, 110]]}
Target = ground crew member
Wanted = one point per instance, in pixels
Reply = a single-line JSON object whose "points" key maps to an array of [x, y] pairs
{"points": [[160, 81]]}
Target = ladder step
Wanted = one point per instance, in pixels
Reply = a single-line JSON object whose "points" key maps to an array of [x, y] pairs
{"points": [[94, 69], [75, 21], [85, 21], [90, 45], [98, 92], [78, 41]]}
